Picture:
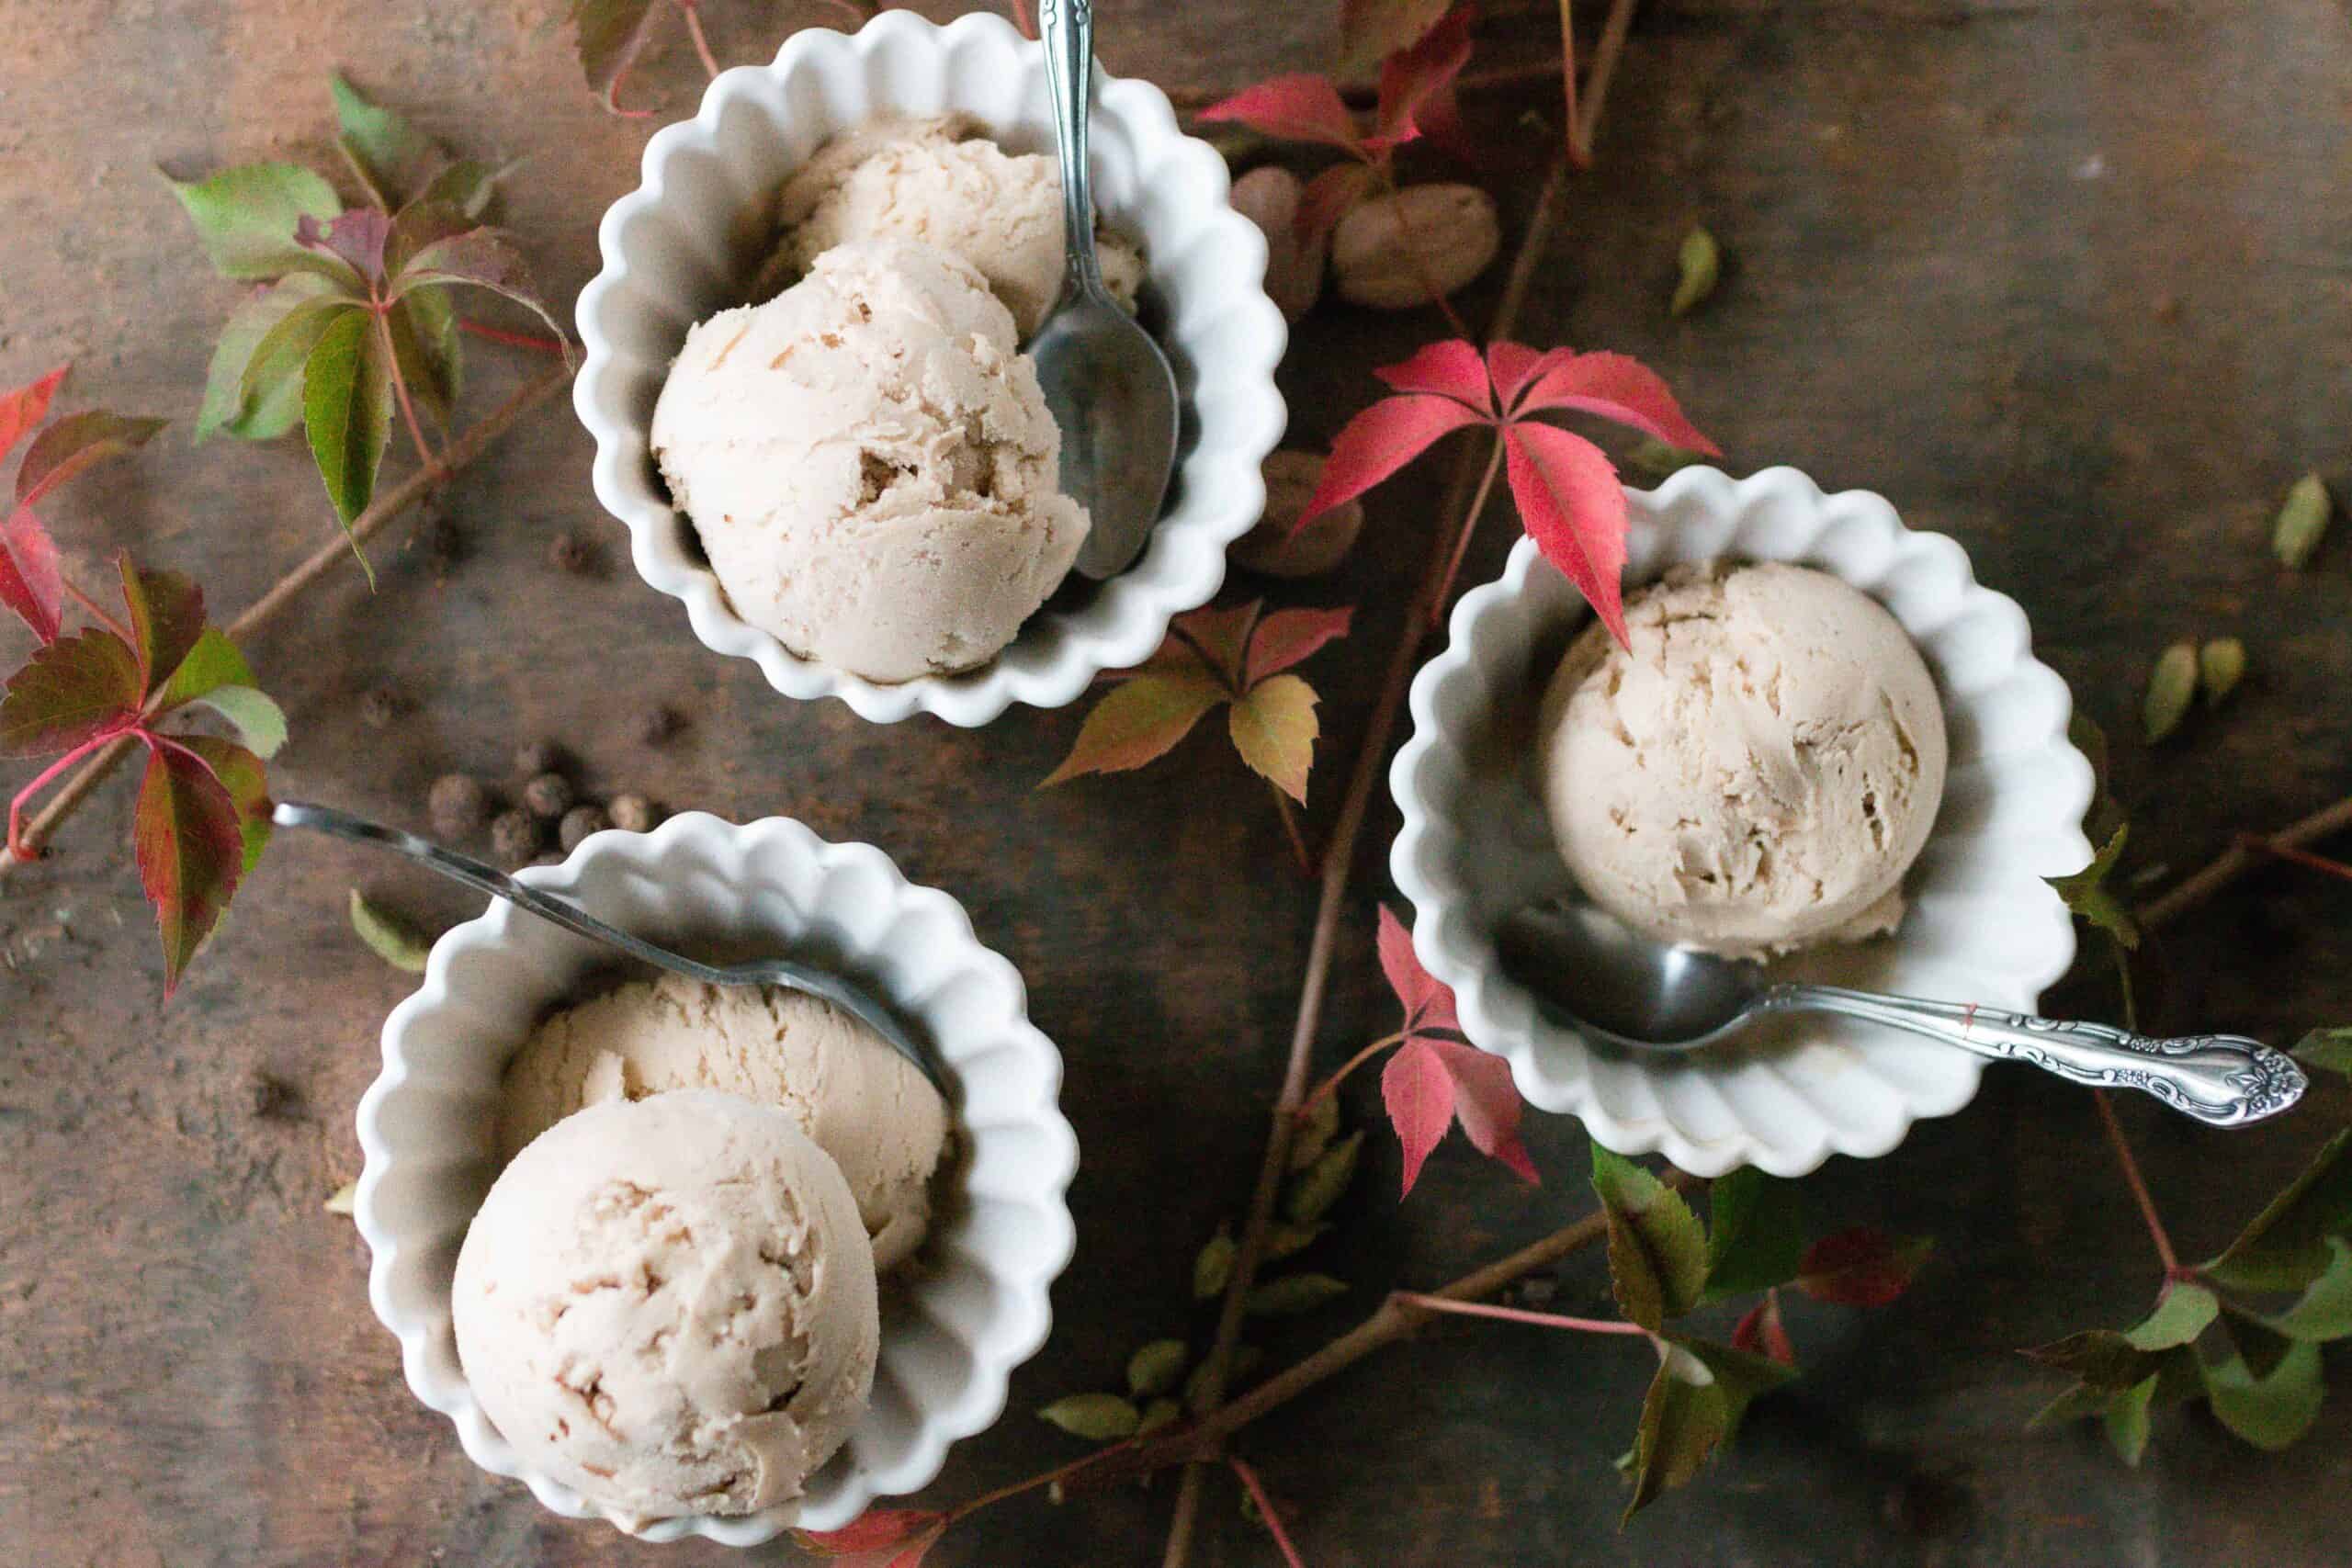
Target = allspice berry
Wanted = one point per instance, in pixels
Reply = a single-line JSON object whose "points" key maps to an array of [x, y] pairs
{"points": [[578, 823], [1395, 251], [548, 796], [632, 813], [458, 804], [538, 757], [516, 837], [1277, 545], [381, 708]]}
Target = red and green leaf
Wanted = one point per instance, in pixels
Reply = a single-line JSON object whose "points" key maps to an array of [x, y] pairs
{"points": [[1760, 1332], [356, 239], [167, 620], [613, 34], [1418, 74], [1273, 728], [480, 258], [191, 850], [1657, 1253], [392, 159], [243, 776], [270, 387], [1140, 720], [71, 691], [245, 217], [32, 584], [1208, 637], [348, 410], [1288, 637], [25, 408], [1862, 1266], [74, 444], [1370, 30], [243, 396]]}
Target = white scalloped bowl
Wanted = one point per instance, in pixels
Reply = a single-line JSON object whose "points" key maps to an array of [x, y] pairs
{"points": [[954, 1327], [1982, 926], [688, 241]]}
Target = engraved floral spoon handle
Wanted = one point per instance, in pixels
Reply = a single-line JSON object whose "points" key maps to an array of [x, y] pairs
{"points": [[2225, 1081], [1067, 28]]}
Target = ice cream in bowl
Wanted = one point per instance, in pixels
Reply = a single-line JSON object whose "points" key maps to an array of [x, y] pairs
{"points": [[714, 1259], [1822, 746], [807, 379]]}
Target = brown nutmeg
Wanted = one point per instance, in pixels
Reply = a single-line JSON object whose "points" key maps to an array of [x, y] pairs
{"points": [[548, 796], [578, 823], [457, 806], [516, 837]]}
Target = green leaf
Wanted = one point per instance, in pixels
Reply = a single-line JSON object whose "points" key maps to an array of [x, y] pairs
{"points": [[210, 663], [268, 406], [270, 387], [245, 217], [1157, 1368], [348, 413], [425, 346], [1740, 1376], [480, 258], [192, 850], [2127, 1419], [2261, 1347], [242, 774], [1213, 1266], [2270, 1411], [1657, 461], [1694, 1404], [1320, 1185], [2329, 1049], [74, 442], [1274, 729], [2183, 1312], [391, 158], [2221, 665], [2105, 816], [613, 33], [2284, 1248], [1293, 1295], [465, 187], [1754, 1233], [1698, 265], [1140, 721], [166, 619], [2101, 1358], [258, 721], [2325, 1310], [1103, 1418], [2086, 894], [71, 691], [387, 936], [1157, 1414], [1658, 1254]]}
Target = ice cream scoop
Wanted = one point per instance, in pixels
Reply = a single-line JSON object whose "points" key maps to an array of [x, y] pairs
{"points": [[870, 464], [1755, 771], [668, 1305], [864, 1105]]}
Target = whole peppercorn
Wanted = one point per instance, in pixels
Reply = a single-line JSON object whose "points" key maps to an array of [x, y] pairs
{"points": [[381, 708], [516, 837], [538, 757], [578, 823], [632, 813], [660, 725], [548, 796], [458, 804]]}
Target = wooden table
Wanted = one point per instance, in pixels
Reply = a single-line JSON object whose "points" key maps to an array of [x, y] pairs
{"points": [[2067, 282]]}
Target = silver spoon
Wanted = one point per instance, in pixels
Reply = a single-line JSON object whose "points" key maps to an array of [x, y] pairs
{"points": [[571, 918], [1108, 385], [1646, 996]]}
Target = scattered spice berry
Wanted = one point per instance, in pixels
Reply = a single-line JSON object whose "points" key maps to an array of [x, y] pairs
{"points": [[516, 837], [578, 823], [540, 757], [632, 813], [569, 552], [273, 1098], [380, 708], [548, 796], [660, 725], [458, 804]]}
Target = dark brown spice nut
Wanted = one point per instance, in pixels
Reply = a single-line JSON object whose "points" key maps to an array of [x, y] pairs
{"points": [[1277, 545], [540, 757], [660, 725], [548, 796], [458, 804], [274, 1097], [578, 823], [632, 813], [516, 837], [381, 708]]}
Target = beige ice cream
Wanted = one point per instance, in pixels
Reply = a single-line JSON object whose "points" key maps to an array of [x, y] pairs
{"points": [[866, 1105], [1757, 772], [943, 182], [870, 465], [668, 1304]]}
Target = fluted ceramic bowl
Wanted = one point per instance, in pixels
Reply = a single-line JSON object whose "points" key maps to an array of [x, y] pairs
{"points": [[954, 1325], [1982, 927], [687, 241]]}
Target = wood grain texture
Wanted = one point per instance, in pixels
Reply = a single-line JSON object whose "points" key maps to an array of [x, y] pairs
{"points": [[2069, 281]]}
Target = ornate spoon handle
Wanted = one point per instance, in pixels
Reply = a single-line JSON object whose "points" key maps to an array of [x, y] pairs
{"points": [[1067, 30], [2225, 1081]]}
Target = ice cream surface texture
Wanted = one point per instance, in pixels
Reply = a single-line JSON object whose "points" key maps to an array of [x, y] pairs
{"points": [[668, 1305], [943, 182], [866, 1105], [870, 465], [1756, 771]]}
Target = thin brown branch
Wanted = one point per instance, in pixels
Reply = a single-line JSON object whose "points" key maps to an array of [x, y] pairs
{"points": [[2137, 1182], [1289, 813], [1521, 1314], [97, 612], [1330, 1085], [2295, 856], [388, 505], [2237, 860], [1274, 1521], [693, 9]]}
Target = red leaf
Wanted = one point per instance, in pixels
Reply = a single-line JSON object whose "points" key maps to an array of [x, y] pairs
{"points": [[73, 443], [1419, 1094], [27, 407], [1427, 1000], [192, 850], [166, 617], [31, 582], [1325, 199], [1300, 108], [1381, 440], [356, 237], [1860, 1267], [1762, 1333], [1440, 117], [1449, 369], [1615, 387], [246, 779], [1572, 506], [1487, 1102], [1411, 77], [873, 1530], [1220, 637], [1140, 720], [1288, 637], [73, 691], [1514, 364]]}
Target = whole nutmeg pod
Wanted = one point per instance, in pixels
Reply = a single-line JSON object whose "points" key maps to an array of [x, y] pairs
{"points": [[1278, 545], [578, 823], [458, 804], [516, 837], [632, 813], [1268, 197], [548, 796], [1395, 251], [538, 757]]}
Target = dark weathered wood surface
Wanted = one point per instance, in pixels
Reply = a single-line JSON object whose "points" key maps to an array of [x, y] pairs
{"points": [[2067, 281]]}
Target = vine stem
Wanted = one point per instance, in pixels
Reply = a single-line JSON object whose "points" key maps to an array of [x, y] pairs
{"points": [[1461, 545], [97, 611], [2138, 1183], [693, 9], [477, 439], [1520, 1315], [513, 340], [1289, 815], [1257, 1490], [2296, 856], [1325, 1089], [433, 467], [2237, 860]]}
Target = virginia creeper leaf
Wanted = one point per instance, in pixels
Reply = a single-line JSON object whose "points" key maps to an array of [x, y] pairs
{"points": [[1682, 1423], [1428, 1002], [2270, 1412], [1417, 1093], [1140, 720], [242, 775], [2086, 893], [191, 852], [2325, 1310], [2127, 1419], [348, 411], [73, 443], [1302, 107], [212, 662], [1861, 1265], [1219, 638], [244, 217], [1740, 1375], [1451, 369], [259, 722], [272, 384], [2261, 1346], [356, 239], [1412, 76], [1761, 1332], [1288, 637], [1618, 388], [613, 33], [424, 348], [1371, 30], [32, 582], [2182, 1313], [71, 691], [2101, 1358], [1486, 1103], [1381, 440], [2284, 1248], [1572, 506], [1273, 728], [465, 187], [1755, 1233], [392, 159], [485, 258], [2330, 1049], [1658, 1254], [268, 405], [878, 1538], [26, 407], [167, 620]]}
